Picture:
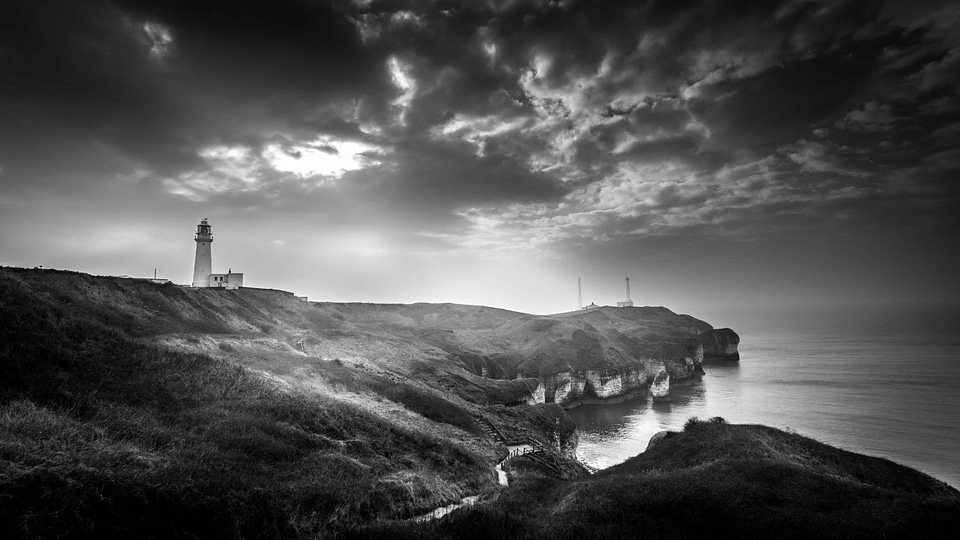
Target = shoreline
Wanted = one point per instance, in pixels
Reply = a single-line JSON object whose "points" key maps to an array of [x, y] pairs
{"points": [[629, 396]]}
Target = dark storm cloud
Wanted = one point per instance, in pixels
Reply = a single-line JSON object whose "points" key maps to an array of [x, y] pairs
{"points": [[764, 111], [662, 149], [554, 118], [79, 72], [443, 173], [96, 69]]}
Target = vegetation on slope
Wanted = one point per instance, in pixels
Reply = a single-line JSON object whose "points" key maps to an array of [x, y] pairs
{"points": [[742, 481], [487, 342], [420, 400], [101, 434]]}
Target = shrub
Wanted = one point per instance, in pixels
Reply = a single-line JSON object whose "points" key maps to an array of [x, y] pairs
{"points": [[266, 328]]}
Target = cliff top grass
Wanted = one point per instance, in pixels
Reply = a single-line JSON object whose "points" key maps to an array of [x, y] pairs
{"points": [[486, 341]]}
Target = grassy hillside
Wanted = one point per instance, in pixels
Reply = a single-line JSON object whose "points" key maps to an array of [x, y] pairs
{"points": [[274, 332], [103, 434], [714, 479]]}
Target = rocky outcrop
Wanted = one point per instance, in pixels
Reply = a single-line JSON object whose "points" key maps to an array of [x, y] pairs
{"points": [[720, 344], [672, 361], [682, 360], [567, 443], [660, 387], [571, 386], [538, 395]]}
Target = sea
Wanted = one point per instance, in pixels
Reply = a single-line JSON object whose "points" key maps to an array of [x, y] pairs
{"points": [[880, 381]]}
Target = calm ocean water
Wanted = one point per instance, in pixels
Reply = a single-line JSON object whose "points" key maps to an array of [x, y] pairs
{"points": [[880, 382]]}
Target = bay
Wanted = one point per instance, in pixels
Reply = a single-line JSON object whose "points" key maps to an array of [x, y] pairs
{"points": [[882, 382]]}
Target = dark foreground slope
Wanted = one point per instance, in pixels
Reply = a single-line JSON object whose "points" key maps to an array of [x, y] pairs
{"points": [[102, 435], [716, 480]]}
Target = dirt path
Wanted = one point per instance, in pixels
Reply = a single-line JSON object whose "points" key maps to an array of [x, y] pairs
{"points": [[514, 449]]}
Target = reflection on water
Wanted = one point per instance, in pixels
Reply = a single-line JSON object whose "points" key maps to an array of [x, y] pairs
{"points": [[885, 393], [611, 433]]}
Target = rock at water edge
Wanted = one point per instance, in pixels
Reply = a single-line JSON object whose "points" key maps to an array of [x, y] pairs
{"points": [[660, 387], [720, 344]]}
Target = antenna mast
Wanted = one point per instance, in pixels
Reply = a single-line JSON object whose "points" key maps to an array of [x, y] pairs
{"points": [[628, 289]]}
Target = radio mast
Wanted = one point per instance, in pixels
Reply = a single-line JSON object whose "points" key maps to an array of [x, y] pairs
{"points": [[629, 302]]}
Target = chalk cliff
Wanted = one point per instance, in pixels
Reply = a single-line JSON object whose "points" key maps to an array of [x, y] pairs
{"points": [[645, 374], [572, 386], [586, 356], [720, 344]]}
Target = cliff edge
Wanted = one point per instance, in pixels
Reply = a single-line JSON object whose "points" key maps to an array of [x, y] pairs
{"points": [[720, 344]]}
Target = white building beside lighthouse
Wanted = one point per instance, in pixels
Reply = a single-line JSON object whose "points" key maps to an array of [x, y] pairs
{"points": [[203, 275]]}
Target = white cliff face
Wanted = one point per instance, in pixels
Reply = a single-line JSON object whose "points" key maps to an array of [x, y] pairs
{"points": [[674, 360], [660, 387], [538, 395], [698, 354], [569, 387], [605, 384]]}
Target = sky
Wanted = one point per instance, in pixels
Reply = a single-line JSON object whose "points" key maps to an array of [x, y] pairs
{"points": [[720, 154]]}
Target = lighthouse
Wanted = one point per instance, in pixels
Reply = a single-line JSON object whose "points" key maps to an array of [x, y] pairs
{"points": [[203, 275], [203, 264]]}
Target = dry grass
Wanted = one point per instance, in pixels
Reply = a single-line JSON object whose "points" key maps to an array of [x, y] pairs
{"points": [[103, 435]]}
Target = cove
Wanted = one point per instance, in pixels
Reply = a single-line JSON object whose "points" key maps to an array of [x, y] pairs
{"points": [[612, 432], [881, 384]]}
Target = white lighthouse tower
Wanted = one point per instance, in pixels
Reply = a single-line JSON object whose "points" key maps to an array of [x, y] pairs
{"points": [[203, 264]]}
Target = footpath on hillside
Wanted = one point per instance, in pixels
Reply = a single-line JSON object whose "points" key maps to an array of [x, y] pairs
{"points": [[515, 448]]}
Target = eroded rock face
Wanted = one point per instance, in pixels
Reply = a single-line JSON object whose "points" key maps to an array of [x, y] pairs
{"points": [[567, 444], [567, 387], [571, 386], [677, 361], [682, 360], [720, 344], [660, 387], [538, 395], [605, 384]]}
